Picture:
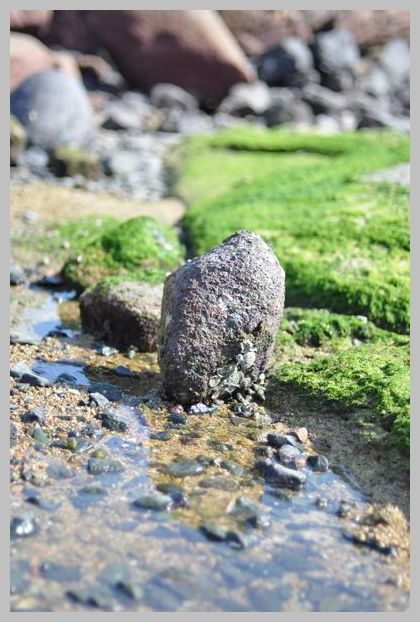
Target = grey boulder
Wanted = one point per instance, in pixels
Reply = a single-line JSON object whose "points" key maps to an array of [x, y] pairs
{"points": [[220, 314], [54, 109]]}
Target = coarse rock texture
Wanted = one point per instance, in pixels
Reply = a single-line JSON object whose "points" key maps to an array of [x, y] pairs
{"points": [[220, 313], [124, 313], [29, 56], [54, 109], [192, 49]]}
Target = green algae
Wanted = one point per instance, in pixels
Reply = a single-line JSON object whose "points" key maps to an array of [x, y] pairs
{"points": [[374, 377], [140, 249], [344, 243]]}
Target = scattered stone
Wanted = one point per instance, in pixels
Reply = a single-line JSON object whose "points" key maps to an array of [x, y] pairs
{"points": [[70, 161], [60, 471], [200, 409], [336, 54], [216, 533], [156, 501], [301, 434], [176, 493], [163, 435], [34, 380], [290, 456], [107, 351], [177, 418], [35, 414], [100, 400], [54, 109], [17, 275], [125, 313], [317, 463], [99, 466], [278, 475], [395, 60], [321, 502], [246, 99], [39, 436], [222, 447], [20, 369], [220, 483], [233, 467], [110, 422], [185, 468], [123, 371], [278, 440], [288, 64], [203, 355], [51, 571], [23, 525], [169, 96]]}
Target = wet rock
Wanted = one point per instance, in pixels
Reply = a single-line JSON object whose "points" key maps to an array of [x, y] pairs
{"points": [[110, 422], [154, 501], [176, 493], [23, 526], [93, 596], [163, 435], [35, 414], [216, 533], [39, 436], [100, 400], [33, 497], [51, 571], [60, 471], [278, 475], [185, 468], [220, 483], [220, 313], [19, 369], [19, 576], [54, 110], [278, 440], [290, 456], [99, 466], [17, 275], [125, 313], [246, 99], [248, 512], [233, 467], [169, 95], [35, 380], [177, 418], [317, 463], [234, 538], [219, 446]]}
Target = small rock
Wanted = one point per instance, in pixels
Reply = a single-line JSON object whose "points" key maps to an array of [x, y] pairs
{"points": [[200, 409], [185, 468], [18, 370], [51, 571], [35, 380], [289, 455], [278, 440], [39, 436], [23, 525], [17, 275], [99, 466], [60, 471], [288, 64], [214, 532], [123, 371], [220, 483], [246, 99], [107, 351], [170, 95], [278, 475], [70, 161], [177, 418], [100, 400], [301, 434], [35, 414], [155, 501], [110, 422], [317, 463]]}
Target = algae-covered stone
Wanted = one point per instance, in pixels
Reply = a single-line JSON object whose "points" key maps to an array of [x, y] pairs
{"points": [[220, 313], [140, 248], [69, 161], [17, 140], [124, 313]]}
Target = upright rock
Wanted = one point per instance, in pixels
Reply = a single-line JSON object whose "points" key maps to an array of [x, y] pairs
{"points": [[220, 313], [54, 109]]}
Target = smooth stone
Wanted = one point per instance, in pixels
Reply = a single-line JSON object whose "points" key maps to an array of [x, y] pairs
{"points": [[17, 275], [185, 468], [23, 525], [155, 501], [278, 440], [110, 422], [59, 572], [35, 380], [60, 471], [99, 399], [220, 483], [36, 414], [317, 463], [20, 369], [98, 466], [279, 475]]}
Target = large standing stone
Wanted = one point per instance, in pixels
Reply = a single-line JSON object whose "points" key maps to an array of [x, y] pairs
{"points": [[220, 313], [125, 313], [54, 109]]}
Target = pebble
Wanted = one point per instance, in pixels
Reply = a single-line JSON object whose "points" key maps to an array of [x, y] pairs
{"points": [[35, 380], [185, 468], [279, 475], [107, 351], [233, 467], [175, 492], [291, 456], [124, 371], [110, 422], [59, 572], [35, 414], [100, 400], [23, 525], [177, 418], [278, 440], [17, 275], [317, 463], [39, 436], [60, 471], [20, 369], [155, 501], [200, 409], [163, 435], [301, 434], [221, 483], [98, 466]]}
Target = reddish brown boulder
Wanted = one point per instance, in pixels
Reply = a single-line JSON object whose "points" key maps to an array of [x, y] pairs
{"points": [[374, 27], [34, 22], [29, 56]]}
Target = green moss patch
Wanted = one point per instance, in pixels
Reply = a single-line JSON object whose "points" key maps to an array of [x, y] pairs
{"points": [[140, 248], [374, 377], [343, 243]]}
